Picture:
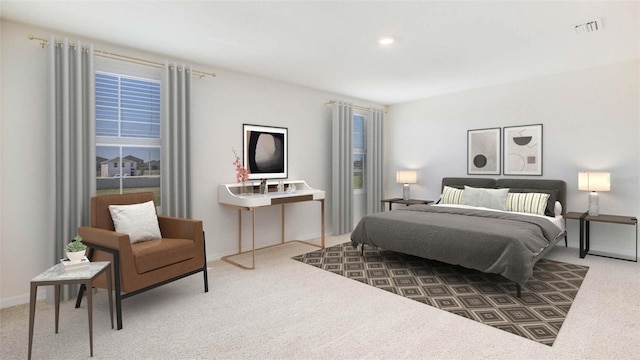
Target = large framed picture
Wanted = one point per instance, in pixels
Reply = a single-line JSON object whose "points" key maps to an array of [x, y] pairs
{"points": [[483, 151], [523, 150], [265, 151]]}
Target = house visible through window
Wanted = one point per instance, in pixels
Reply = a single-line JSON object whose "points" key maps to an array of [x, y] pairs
{"points": [[359, 153], [127, 134]]}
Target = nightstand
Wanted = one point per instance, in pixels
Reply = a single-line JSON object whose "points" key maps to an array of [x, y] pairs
{"points": [[406, 202], [585, 219]]}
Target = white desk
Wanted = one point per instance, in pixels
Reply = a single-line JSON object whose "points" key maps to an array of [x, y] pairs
{"points": [[229, 194]]}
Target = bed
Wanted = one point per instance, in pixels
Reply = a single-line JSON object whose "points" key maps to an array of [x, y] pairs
{"points": [[476, 234]]}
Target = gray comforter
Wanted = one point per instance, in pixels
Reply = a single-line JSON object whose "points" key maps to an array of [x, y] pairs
{"points": [[493, 242]]}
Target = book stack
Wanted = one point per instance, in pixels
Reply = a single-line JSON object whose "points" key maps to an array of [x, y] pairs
{"points": [[70, 266]]}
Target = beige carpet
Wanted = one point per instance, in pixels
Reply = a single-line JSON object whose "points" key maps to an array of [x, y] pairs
{"points": [[288, 310]]}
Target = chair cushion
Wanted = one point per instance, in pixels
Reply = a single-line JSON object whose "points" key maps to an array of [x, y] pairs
{"points": [[138, 220], [154, 254]]}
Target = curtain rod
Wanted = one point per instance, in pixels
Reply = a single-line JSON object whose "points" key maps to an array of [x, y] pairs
{"points": [[331, 102], [131, 59]]}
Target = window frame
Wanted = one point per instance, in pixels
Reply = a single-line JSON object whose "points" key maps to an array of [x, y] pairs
{"points": [[119, 142]]}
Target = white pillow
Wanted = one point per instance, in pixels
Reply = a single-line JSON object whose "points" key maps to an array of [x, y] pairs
{"points": [[451, 196], [488, 198], [138, 220], [558, 209], [533, 203]]}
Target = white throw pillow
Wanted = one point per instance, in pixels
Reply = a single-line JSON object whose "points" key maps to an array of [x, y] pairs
{"points": [[138, 220], [488, 198], [558, 208]]}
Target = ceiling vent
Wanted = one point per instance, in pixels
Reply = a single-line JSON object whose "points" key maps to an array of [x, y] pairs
{"points": [[588, 27]]}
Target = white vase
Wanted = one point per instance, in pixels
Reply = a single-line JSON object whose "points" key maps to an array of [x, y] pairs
{"points": [[75, 256]]}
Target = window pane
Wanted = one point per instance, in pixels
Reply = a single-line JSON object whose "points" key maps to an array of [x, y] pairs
{"points": [[141, 170], [107, 170], [121, 169], [359, 150], [127, 107], [358, 171], [358, 132], [142, 130]]}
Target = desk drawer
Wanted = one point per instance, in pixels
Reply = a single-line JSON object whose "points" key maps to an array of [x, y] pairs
{"points": [[290, 199]]}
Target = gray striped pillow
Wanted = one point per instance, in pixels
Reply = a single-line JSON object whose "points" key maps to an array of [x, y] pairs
{"points": [[451, 196], [533, 203]]}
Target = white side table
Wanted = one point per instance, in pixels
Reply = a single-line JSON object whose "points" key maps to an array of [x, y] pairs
{"points": [[57, 276]]}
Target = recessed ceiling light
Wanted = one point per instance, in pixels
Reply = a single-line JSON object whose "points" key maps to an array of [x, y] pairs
{"points": [[386, 40]]}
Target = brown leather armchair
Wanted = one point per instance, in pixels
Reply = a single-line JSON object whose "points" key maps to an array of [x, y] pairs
{"points": [[143, 265]]}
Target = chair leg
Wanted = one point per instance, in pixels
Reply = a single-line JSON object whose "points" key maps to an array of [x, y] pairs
{"points": [[206, 279], [204, 267], [83, 287], [116, 270]]}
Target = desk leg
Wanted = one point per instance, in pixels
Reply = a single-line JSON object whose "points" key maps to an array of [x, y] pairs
{"points": [[253, 241], [32, 313], [282, 225], [90, 315], [57, 301], [253, 238]]}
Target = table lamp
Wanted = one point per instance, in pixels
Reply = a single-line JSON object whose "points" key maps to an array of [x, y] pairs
{"points": [[594, 182], [406, 177]]}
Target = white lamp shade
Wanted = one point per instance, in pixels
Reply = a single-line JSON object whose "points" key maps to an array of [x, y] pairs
{"points": [[594, 181], [406, 177]]}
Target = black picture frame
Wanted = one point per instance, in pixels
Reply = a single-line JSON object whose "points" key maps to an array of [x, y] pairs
{"points": [[265, 151]]}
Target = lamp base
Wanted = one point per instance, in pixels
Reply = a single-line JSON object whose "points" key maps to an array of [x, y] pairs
{"points": [[405, 192], [594, 206]]}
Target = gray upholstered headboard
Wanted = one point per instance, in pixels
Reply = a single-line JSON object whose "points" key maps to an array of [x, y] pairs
{"points": [[535, 184]]}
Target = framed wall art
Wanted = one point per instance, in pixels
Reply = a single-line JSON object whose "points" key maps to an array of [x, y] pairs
{"points": [[483, 151], [265, 151], [523, 150]]}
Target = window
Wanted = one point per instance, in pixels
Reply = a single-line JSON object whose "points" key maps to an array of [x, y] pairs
{"points": [[359, 153], [127, 134]]}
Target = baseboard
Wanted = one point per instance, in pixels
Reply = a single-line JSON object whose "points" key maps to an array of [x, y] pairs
{"points": [[22, 299]]}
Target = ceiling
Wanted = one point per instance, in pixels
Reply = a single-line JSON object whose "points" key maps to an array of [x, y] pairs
{"points": [[441, 47]]}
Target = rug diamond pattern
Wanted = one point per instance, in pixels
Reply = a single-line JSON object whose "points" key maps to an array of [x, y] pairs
{"points": [[486, 298]]}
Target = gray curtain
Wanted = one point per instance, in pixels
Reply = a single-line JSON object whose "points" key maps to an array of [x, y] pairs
{"points": [[375, 160], [71, 108], [342, 168], [175, 157]]}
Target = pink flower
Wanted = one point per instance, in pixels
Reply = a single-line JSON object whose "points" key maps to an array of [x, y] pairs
{"points": [[242, 174]]}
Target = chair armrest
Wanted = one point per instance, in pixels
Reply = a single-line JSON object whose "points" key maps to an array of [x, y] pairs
{"points": [[180, 228], [105, 238]]}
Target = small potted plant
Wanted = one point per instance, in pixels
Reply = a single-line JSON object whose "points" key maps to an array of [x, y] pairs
{"points": [[75, 249]]}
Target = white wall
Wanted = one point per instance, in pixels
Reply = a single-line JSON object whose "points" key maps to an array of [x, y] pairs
{"points": [[590, 121], [219, 107]]}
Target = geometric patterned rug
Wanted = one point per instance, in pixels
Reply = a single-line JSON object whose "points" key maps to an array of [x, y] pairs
{"points": [[487, 298]]}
